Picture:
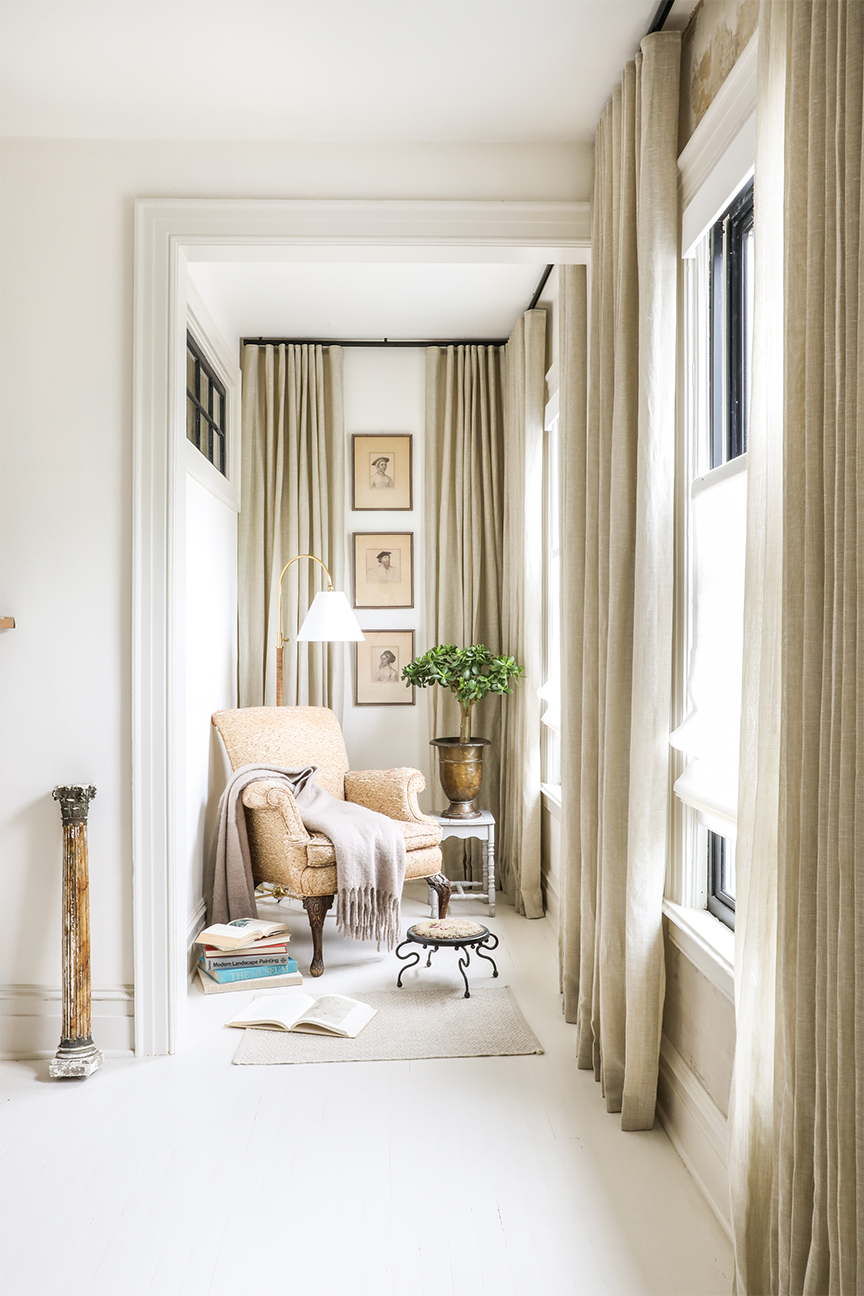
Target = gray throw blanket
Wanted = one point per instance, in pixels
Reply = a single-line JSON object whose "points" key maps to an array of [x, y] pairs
{"points": [[370, 856]]}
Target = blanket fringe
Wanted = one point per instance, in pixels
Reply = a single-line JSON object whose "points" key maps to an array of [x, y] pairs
{"points": [[366, 914]]}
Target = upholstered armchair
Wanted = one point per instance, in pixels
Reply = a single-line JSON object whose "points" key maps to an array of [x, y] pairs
{"points": [[299, 863]]}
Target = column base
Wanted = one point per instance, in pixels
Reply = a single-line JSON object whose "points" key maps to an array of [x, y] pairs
{"points": [[75, 1061]]}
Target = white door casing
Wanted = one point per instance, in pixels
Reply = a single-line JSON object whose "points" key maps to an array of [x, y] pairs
{"points": [[168, 235]]}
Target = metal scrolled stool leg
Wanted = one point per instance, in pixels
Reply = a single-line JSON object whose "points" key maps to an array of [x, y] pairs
{"points": [[463, 936]]}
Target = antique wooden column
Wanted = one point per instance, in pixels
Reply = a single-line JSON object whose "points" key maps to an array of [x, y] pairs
{"points": [[77, 1056]]}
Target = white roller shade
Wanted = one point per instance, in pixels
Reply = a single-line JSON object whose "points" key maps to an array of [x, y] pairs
{"points": [[711, 733]]}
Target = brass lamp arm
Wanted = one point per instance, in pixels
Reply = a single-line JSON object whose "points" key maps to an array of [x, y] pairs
{"points": [[279, 640]]}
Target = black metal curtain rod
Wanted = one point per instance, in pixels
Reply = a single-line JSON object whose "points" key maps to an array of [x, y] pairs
{"points": [[373, 342], [661, 13]]}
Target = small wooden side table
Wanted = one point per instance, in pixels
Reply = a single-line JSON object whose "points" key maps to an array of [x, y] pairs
{"points": [[483, 827]]}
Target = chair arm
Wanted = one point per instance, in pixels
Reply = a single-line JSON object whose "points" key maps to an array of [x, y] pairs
{"points": [[266, 794], [390, 792]]}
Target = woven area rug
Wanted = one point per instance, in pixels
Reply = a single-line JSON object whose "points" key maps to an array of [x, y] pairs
{"points": [[410, 1024]]}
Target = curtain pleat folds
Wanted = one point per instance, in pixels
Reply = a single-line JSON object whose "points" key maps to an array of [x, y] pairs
{"points": [[797, 1113], [617, 524], [292, 502], [820, 967], [483, 469]]}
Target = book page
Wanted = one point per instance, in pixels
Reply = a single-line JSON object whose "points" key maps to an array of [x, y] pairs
{"points": [[242, 931], [276, 1012], [337, 1015]]}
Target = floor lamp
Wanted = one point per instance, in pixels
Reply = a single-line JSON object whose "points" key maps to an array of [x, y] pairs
{"points": [[329, 620]]}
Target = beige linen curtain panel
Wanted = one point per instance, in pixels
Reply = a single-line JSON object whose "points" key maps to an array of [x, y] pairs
{"points": [[617, 572], [797, 1119], [292, 502], [483, 469]]}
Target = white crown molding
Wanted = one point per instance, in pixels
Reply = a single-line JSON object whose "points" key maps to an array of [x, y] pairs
{"points": [[720, 154], [168, 234], [227, 229]]}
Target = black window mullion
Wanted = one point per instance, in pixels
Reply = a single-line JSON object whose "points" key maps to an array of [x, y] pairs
{"points": [[720, 903], [210, 432], [728, 377]]}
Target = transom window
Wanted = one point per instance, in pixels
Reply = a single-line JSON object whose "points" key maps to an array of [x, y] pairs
{"points": [[205, 408]]}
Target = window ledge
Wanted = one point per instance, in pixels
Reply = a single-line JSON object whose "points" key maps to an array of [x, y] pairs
{"points": [[552, 798], [706, 942]]}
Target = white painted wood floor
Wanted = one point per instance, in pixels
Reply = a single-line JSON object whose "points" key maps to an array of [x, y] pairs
{"points": [[492, 1176]]}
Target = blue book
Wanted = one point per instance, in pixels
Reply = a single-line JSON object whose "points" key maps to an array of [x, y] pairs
{"points": [[249, 974]]}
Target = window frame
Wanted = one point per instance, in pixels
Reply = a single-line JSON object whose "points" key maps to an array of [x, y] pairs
{"points": [[719, 902], [550, 741], [729, 363], [216, 428], [714, 423]]}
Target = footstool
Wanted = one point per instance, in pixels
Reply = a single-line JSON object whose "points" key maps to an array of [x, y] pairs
{"points": [[459, 933]]}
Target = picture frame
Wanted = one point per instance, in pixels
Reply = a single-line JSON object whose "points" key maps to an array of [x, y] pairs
{"points": [[383, 563], [377, 659], [382, 472]]}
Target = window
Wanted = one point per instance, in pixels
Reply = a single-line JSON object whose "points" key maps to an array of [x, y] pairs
{"points": [[718, 339], [731, 327], [550, 693], [205, 408], [721, 878]]}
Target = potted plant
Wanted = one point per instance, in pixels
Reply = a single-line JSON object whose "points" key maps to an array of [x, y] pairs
{"points": [[470, 674]]}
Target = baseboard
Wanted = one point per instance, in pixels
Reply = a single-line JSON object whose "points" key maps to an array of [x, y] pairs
{"points": [[193, 927], [551, 897], [697, 1130], [31, 1018]]}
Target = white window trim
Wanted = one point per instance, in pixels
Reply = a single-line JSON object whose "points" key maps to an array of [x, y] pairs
{"points": [[707, 942], [550, 734], [214, 348], [713, 166], [719, 157]]}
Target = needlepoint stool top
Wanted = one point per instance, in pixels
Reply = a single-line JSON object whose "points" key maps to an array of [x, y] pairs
{"points": [[447, 929]]}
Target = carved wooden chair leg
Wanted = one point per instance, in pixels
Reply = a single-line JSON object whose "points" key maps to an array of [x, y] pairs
{"points": [[441, 886], [316, 907]]}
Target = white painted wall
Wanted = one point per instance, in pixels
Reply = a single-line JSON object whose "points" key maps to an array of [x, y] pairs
{"points": [[66, 224], [211, 670], [385, 391]]}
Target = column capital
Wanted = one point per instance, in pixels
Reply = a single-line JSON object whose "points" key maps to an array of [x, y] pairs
{"points": [[74, 802]]}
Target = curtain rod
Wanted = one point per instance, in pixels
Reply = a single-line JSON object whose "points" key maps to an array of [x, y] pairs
{"points": [[661, 13], [373, 342]]}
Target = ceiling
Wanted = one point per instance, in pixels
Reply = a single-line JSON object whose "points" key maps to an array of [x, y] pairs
{"points": [[316, 70], [368, 301]]}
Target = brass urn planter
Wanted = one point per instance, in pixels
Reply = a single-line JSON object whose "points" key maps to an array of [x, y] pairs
{"points": [[460, 769]]}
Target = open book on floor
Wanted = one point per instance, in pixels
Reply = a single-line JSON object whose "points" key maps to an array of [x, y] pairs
{"points": [[241, 932], [329, 1015]]}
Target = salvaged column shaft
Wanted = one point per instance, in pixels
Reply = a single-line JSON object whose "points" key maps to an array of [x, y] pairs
{"points": [[77, 1056]]}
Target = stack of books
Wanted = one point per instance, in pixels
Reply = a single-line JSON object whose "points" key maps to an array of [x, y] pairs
{"points": [[245, 954]]}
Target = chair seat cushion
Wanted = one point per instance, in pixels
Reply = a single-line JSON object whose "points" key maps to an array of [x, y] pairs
{"points": [[418, 836]]}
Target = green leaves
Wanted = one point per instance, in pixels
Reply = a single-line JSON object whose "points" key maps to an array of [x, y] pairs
{"points": [[469, 673]]}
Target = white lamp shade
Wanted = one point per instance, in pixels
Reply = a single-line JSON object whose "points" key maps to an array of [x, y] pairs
{"points": [[330, 620]]}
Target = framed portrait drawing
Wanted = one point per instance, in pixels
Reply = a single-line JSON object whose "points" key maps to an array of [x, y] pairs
{"points": [[382, 471], [383, 569], [378, 663]]}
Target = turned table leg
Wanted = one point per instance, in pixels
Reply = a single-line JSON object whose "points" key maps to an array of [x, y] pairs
{"points": [[77, 1057], [441, 886], [316, 907]]}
